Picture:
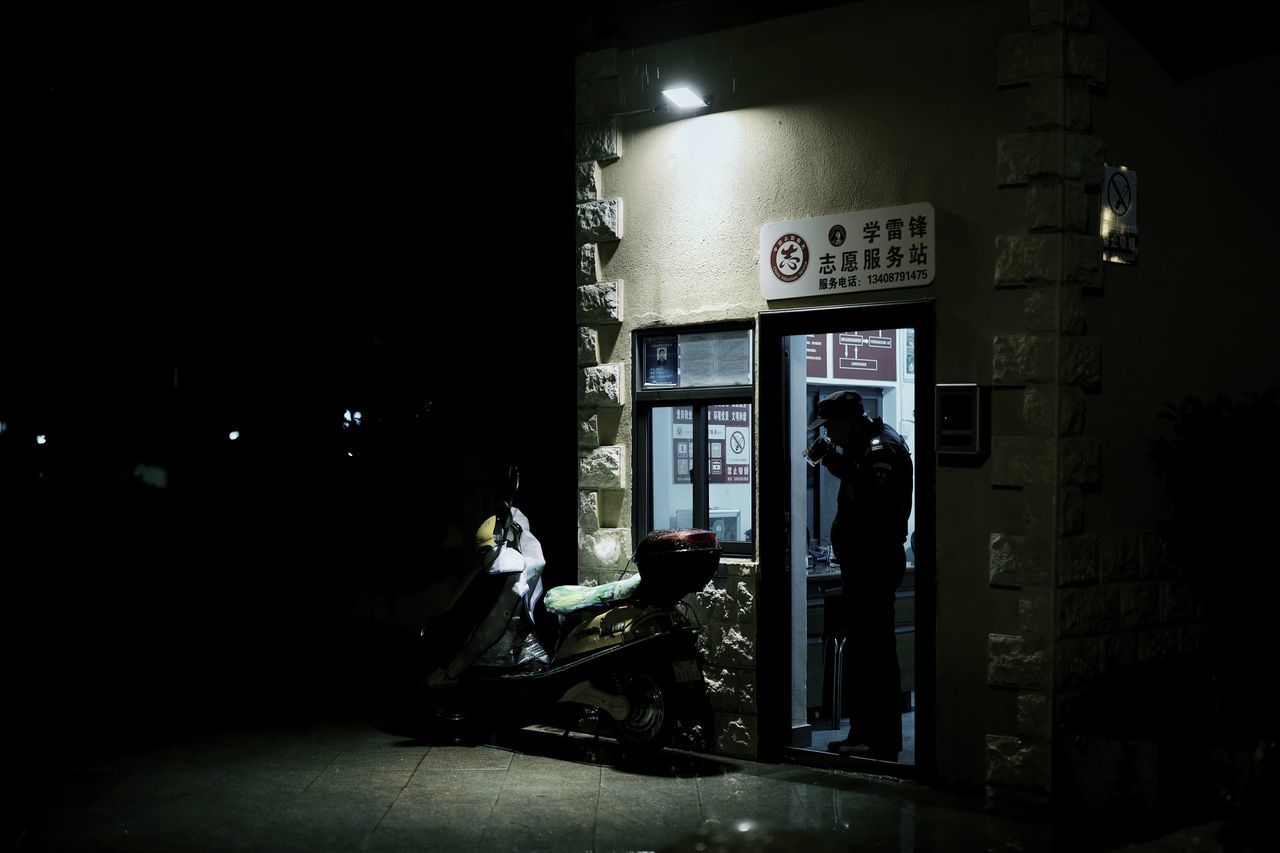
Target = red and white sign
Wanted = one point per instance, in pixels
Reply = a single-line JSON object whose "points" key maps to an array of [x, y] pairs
{"points": [[845, 253]]}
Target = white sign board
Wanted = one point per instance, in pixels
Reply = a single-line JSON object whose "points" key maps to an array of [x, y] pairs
{"points": [[1119, 219], [849, 252]]}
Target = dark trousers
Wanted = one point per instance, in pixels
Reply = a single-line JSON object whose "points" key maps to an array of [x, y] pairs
{"points": [[872, 681]]}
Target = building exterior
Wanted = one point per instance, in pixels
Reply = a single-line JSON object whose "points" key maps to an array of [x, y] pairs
{"points": [[1044, 569]]}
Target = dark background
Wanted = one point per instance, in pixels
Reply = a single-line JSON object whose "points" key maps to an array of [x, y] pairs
{"points": [[257, 224]]}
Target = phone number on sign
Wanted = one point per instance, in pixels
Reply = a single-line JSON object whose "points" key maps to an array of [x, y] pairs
{"points": [[901, 275]]}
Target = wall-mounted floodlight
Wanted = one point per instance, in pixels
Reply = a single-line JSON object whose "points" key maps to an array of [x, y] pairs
{"points": [[685, 98]]}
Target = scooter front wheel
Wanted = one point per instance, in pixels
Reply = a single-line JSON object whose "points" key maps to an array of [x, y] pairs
{"points": [[647, 722]]}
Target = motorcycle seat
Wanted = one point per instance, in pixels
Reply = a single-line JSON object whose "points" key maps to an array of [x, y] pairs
{"points": [[563, 600]]}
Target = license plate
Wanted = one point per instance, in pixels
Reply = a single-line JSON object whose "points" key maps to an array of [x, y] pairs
{"points": [[686, 671]]}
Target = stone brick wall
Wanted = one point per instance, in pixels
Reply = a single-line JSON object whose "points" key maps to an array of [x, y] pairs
{"points": [[726, 608], [1044, 370], [1094, 607], [604, 543]]}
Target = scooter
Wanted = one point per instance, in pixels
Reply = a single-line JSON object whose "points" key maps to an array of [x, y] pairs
{"points": [[621, 653]]}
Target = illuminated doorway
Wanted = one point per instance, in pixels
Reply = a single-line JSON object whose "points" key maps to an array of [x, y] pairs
{"points": [[879, 351]]}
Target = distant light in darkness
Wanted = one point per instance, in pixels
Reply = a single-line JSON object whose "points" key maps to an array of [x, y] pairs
{"points": [[234, 434], [41, 439]]}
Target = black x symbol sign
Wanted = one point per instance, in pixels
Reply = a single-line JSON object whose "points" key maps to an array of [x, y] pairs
{"points": [[1119, 193]]}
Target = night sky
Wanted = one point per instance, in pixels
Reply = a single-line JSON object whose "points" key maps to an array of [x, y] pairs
{"points": [[257, 225]]}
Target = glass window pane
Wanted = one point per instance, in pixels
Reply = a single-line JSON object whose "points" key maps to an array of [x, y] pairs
{"points": [[729, 471], [672, 460], [715, 358]]}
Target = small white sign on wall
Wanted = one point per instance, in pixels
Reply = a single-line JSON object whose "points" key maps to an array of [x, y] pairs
{"points": [[1119, 218], [846, 253]]}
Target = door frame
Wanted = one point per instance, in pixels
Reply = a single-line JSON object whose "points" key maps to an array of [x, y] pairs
{"points": [[774, 614]]}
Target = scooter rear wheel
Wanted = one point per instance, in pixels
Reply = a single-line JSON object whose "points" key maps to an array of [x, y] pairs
{"points": [[648, 723]]}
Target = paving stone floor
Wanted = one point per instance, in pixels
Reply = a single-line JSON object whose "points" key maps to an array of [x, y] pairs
{"points": [[360, 786]]}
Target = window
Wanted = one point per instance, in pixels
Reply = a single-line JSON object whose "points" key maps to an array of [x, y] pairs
{"points": [[693, 428]]}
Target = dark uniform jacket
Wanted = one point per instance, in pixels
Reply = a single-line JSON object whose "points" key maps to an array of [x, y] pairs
{"points": [[874, 502]]}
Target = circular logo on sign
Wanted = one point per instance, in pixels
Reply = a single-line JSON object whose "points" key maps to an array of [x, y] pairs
{"points": [[836, 235], [790, 257]]}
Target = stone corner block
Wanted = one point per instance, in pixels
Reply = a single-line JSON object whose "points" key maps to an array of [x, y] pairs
{"points": [[1035, 715], [598, 140], [1118, 558], [1023, 460], [1153, 556], [1026, 259], [1022, 359], [588, 346], [1057, 206], [1054, 309], [600, 304], [1087, 58], [1053, 410], [587, 180], [1025, 56], [588, 428], [1082, 361], [1019, 662], [1083, 256], [1078, 559], [1072, 14], [1040, 155], [1081, 460], [589, 510], [602, 468], [735, 735], [600, 97], [1051, 102], [604, 548], [600, 221], [1012, 562], [596, 65], [601, 385], [1019, 761], [588, 264]]}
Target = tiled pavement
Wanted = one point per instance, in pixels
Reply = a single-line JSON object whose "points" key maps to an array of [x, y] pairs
{"points": [[343, 786]]}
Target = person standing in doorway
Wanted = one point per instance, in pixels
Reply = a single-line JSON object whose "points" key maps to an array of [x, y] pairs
{"points": [[867, 536]]}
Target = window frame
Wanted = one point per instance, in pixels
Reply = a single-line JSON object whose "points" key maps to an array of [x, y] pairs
{"points": [[644, 401]]}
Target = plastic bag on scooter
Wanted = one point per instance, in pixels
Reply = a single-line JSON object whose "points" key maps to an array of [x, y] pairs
{"points": [[518, 551]]}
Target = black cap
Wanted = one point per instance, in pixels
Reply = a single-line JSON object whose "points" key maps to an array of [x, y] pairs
{"points": [[840, 404]]}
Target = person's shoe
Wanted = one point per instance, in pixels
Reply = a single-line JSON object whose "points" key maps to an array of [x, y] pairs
{"points": [[837, 745]]}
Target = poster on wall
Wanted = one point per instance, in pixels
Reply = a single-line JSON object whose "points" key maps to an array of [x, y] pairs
{"points": [[661, 360], [909, 362], [815, 356], [845, 253], [870, 355], [728, 443]]}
